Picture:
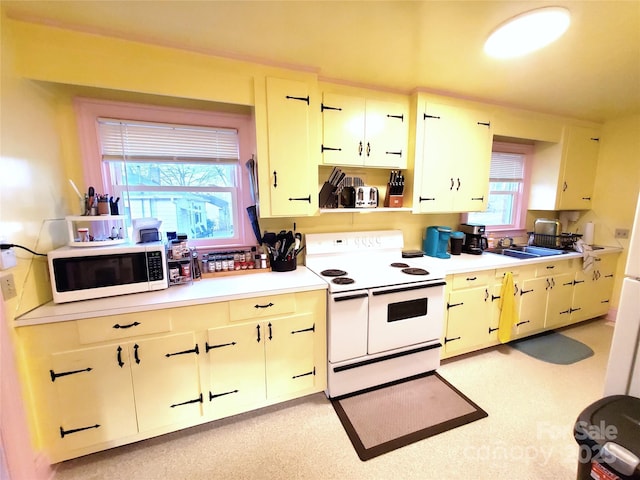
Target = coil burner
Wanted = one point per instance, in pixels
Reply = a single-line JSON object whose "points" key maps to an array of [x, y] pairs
{"points": [[333, 272], [415, 271], [343, 280]]}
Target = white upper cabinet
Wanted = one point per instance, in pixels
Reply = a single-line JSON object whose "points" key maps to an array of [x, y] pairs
{"points": [[358, 131], [563, 174], [453, 156]]}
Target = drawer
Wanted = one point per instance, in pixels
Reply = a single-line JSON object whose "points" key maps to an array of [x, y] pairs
{"points": [[471, 279], [500, 272], [103, 329], [552, 268], [258, 307]]}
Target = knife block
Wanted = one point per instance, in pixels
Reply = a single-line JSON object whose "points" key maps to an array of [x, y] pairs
{"points": [[328, 197], [392, 201]]}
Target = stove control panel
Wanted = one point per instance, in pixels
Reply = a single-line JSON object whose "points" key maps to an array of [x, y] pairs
{"points": [[345, 242]]}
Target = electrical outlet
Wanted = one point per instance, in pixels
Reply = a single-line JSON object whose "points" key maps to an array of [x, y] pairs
{"points": [[8, 286], [621, 233]]}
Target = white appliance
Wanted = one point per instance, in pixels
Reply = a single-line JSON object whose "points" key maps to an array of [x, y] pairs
{"points": [[384, 312], [96, 272], [623, 370]]}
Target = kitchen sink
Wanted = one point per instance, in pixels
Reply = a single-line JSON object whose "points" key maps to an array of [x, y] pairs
{"points": [[524, 252]]}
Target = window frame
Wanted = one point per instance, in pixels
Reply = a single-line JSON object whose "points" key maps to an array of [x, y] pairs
{"points": [[88, 110], [519, 226]]}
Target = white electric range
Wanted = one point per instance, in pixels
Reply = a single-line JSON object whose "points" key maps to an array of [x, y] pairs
{"points": [[384, 312]]}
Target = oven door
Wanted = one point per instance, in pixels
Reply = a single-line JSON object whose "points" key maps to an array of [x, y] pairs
{"points": [[404, 315], [347, 325]]}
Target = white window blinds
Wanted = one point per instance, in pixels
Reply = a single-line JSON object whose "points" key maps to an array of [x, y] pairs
{"points": [[162, 142], [507, 166]]}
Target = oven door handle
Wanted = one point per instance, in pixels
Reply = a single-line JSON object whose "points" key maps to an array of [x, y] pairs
{"points": [[408, 288], [350, 297]]}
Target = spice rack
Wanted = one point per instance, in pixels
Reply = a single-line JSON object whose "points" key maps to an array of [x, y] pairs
{"points": [[225, 264], [100, 228]]}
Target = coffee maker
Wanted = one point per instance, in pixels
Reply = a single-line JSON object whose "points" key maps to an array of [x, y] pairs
{"points": [[474, 241]]}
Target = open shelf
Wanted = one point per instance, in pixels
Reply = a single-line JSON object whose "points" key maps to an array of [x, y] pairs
{"points": [[364, 210], [99, 226]]}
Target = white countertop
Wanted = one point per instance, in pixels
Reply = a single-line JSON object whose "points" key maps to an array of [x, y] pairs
{"points": [[207, 290], [226, 288]]}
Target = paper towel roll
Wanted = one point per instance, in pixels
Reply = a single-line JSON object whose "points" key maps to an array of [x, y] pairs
{"points": [[587, 237]]}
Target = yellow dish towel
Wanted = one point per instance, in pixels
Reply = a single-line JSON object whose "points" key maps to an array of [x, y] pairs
{"points": [[508, 312]]}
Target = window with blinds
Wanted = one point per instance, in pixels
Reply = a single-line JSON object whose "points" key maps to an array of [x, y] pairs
{"points": [[186, 176], [507, 177]]}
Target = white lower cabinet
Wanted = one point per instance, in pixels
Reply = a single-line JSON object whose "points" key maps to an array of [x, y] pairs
{"points": [[107, 381]]}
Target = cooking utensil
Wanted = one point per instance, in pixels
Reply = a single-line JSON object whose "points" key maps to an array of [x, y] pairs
{"points": [[252, 211]]}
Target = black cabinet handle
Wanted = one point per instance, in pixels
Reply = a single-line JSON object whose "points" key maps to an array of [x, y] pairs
{"points": [[275, 179], [134, 324], [195, 350], [564, 186], [452, 184], [55, 375], [424, 199], [263, 306], [522, 323], [399, 117], [586, 198], [571, 310], [576, 282], [258, 327], [208, 347], [486, 294], [522, 292], [310, 329], [216, 395], [491, 330], [368, 149], [64, 432], [135, 353], [120, 362], [451, 305], [447, 340], [459, 184], [494, 297], [195, 400], [565, 311], [481, 199], [484, 124], [430, 116], [360, 149], [270, 331], [399, 154], [301, 199], [302, 99]]}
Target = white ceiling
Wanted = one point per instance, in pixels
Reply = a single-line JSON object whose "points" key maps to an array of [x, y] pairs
{"points": [[592, 72]]}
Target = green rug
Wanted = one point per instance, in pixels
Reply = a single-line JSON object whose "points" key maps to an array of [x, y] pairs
{"points": [[553, 347]]}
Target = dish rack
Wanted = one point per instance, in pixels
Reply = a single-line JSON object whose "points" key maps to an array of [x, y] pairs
{"points": [[564, 241]]}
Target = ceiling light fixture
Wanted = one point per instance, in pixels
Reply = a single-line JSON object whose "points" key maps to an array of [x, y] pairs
{"points": [[527, 32]]}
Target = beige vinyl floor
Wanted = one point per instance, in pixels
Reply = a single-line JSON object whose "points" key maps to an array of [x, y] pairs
{"points": [[532, 407]]}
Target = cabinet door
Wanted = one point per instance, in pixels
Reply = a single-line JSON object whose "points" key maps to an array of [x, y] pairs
{"points": [[236, 365], [94, 400], [559, 300], [166, 380], [289, 348], [343, 120], [533, 305], [473, 162], [580, 162], [386, 134], [467, 319], [293, 170], [453, 167]]}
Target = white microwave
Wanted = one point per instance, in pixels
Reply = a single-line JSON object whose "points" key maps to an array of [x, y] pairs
{"points": [[83, 273]]}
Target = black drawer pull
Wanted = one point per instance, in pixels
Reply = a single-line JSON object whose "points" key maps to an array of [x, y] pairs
{"points": [[195, 400], [64, 432], [471, 279], [425, 199], [324, 107], [134, 324], [216, 395], [450, 305], [208, 347], [195, 350], [399, 154], [263, 306], [312, 328], [300, 199], [55, 375], [522, 292], [447, 340]]}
